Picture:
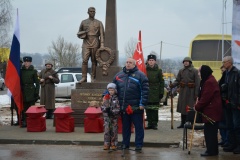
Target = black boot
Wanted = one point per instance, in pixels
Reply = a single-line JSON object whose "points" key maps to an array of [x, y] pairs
{"points": [[232, 143], [16, 123], [24, 120], [24, 124], [237, 150], [49, 114], [154, 127], [183, 120], [148, 127]]}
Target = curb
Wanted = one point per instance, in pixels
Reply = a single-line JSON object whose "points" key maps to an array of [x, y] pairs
{"points": [[89, 143]]}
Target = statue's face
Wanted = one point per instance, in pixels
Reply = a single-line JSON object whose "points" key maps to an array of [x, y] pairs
{"points": [[91, 12]]}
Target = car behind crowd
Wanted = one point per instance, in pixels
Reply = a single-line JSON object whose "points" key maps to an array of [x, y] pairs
{"points": [[67, 83], [2, 83]]}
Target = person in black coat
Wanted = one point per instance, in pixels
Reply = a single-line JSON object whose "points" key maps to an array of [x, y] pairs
{"points": [[230, 93]]}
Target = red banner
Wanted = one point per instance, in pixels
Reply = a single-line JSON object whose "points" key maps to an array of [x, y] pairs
{"points": [[138, 55]]}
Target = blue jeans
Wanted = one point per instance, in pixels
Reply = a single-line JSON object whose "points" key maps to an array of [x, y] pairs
{"points": [[233, 124], [137, 120]]}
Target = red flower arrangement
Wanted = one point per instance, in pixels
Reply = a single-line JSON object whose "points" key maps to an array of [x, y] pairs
{"points": [[129, 110], [107, 96], [227, 101], [188, 108]]}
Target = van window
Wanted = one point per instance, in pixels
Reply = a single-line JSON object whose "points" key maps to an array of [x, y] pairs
{"points": [[78, 77], [66, 78]]}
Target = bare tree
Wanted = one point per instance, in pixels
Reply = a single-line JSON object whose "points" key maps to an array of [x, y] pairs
{"points": [[5, 25], [130, 47], [64, 54], [5, 22]]}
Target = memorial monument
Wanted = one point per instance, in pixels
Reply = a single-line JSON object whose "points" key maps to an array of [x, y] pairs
{"points": [[107, 60]]}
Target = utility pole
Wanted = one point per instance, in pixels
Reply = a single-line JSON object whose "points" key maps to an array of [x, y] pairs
{"points": [[160, 54], [223, 31]]}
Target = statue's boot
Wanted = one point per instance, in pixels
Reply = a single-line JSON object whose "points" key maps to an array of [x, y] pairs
{"points": [[84, 74], [93, 74]]}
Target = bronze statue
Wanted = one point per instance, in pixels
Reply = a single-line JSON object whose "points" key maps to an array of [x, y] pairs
{"points": [[92, 32]]}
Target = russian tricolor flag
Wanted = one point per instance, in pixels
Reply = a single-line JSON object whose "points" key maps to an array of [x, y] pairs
{"points": [[12, 78]]}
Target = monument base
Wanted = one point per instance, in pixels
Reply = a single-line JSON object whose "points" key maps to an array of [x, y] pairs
{"points": [[81, 98], [87, 92]]}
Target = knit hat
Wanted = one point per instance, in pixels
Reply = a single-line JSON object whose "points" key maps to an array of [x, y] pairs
{"points": [[112, 85], [151, 56]]}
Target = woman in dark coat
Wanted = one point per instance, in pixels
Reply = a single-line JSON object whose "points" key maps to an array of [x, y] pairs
{"points": [[209, 103]]}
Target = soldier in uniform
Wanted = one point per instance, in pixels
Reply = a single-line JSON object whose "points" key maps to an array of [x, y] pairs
{"points": [[92, 32], [189, 81], [30, 87], [48, 79], [156, 90]]}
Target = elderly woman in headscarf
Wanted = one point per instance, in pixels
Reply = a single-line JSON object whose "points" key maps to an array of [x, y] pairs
{"points": [[209, 103]]}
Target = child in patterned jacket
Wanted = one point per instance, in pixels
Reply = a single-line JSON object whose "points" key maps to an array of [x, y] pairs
{"points": [[111, 112]]}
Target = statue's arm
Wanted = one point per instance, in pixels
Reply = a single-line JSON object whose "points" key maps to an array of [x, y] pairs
{"points": [[101, 34]]}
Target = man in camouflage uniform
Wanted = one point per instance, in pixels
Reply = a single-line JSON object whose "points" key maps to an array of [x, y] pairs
{"points": [[30, 87], [156, 90], [189, 81]]}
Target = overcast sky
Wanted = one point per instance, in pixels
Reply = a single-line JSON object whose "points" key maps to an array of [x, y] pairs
{"points": [[175, 22]]}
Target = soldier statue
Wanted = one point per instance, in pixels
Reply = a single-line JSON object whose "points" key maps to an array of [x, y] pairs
{"points": [[92, 32]]}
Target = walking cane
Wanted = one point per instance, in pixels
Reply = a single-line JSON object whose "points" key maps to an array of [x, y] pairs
{"points": [[190, 147], [171, 105]]}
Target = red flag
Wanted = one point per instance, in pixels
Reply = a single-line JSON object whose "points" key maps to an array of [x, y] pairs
{"points": [[138, 55], [12, 78]]}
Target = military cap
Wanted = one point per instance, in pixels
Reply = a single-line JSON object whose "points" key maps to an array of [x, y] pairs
{"points": [[27, 59], [151, 56], [187, 59], [48, 62]]}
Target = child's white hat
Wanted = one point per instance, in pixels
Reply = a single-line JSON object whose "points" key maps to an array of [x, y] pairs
{"points": [[111, 85]]}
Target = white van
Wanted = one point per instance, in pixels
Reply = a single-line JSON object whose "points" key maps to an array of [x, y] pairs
{"points": [[67, 83]]}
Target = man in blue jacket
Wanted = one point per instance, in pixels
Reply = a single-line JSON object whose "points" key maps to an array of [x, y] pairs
{"points": [[133, 88]]}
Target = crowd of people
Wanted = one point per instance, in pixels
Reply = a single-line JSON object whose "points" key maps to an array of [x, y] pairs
{"points": [[131, 92]]}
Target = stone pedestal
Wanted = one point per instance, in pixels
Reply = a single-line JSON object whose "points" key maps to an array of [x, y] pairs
{"points": [[81, 98]]}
